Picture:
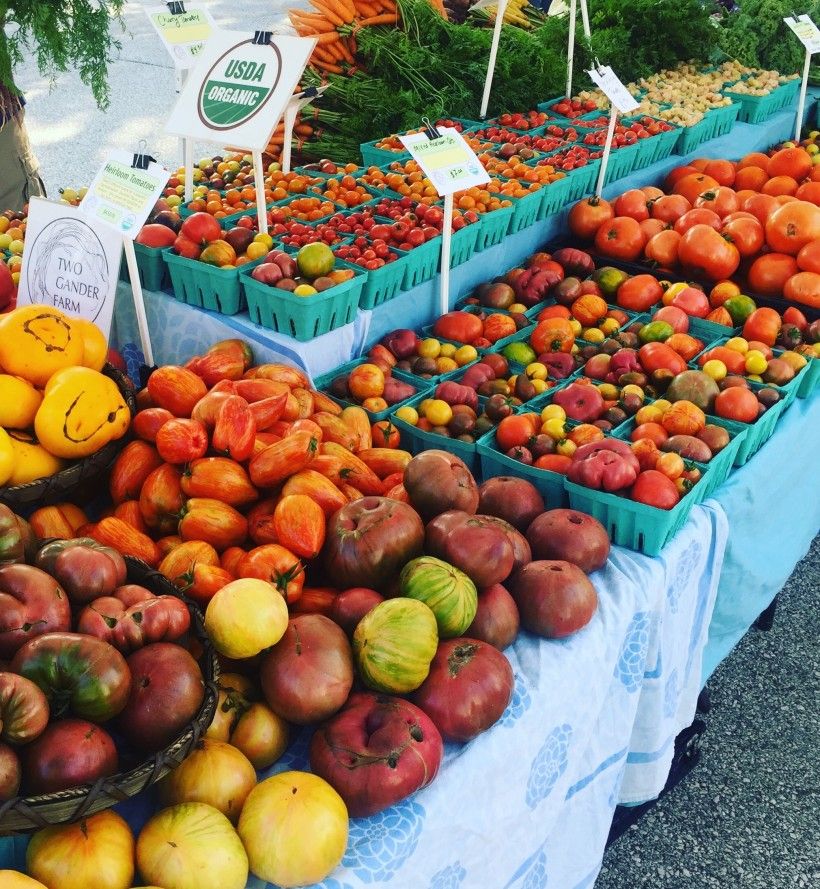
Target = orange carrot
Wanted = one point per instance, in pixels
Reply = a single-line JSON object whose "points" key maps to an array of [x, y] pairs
{"points": [[329, 37], [328, 11], [385, 18], [347, 56], [365, 9], [328, 68]]}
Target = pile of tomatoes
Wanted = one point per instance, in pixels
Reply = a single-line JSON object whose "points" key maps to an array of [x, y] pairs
{"points": [[756, 221]]}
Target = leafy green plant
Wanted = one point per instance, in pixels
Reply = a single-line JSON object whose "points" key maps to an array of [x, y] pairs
{"points": [[63, 35], [757, 36]]}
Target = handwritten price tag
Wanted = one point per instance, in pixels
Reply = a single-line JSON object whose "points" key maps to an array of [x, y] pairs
{"points": [[806, 31], [612, 87], [184, 35], [448, 162]]}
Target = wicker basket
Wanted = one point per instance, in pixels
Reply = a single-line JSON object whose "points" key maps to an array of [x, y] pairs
{"points": [[77, 482], [34, 812]]}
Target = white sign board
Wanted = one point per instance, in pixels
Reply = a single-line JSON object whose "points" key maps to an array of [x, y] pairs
{"points": [[448, 162], [806, 31], [121, 195], [612, 87], [70, 263], [184, 35], [239, 89]]}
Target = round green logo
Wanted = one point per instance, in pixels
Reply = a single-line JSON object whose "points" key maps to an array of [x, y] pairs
{"points": [[239, 85]]}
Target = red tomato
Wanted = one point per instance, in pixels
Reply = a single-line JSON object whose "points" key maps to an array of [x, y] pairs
{"points": [[632, 203], [662, 248], [722, 171], [761, 205], [620, 238], [808, 259], [677, 174], [693, 185], [762, 325], [722, 200], [792, 226], [639, 293], [737, 403], [794, 162], [588, 215], [746, 233], [516, 430], [698, 216], [768, 274], [804, 288], [655, 489], [651, 227], [670, 207], [704, 253], [659, 356]]}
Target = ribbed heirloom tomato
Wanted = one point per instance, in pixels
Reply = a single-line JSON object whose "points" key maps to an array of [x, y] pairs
{"points": [[804, 287]]}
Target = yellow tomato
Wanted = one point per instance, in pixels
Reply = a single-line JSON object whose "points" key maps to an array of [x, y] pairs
{"points": [[429, 348], [608, 326], [609, 391], [738, 344], [256, 250], [438, 412], [447, 350], [671, 465], [263, 238], [422, 408], [663, 405], [517, 308], [245, 617], [12, 879], [97, 851], [565, 447], [445, 365], [31, 460], [553, 411], [632, 389], [648, 414], [465, 355], [593, 335], [576, 326], [755, 362], [6, 457], [261, 735], [537, 371], [408, 414], [554, 427], [540, 386], [715, 369]]}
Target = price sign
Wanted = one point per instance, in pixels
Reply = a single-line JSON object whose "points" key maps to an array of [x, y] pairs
{"points": [[612, 87], [806, 31], [69, 263], [121, 195], [448, 161], [184, 34], [239, 89]]}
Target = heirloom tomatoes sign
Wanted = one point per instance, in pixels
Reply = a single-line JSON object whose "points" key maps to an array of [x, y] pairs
{"points": [[240, 88]]}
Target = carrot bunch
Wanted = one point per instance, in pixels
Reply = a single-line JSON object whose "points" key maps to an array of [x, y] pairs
{"points": [[334, 24]]}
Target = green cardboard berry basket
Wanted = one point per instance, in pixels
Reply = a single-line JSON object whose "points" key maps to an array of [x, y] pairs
{"points": [[302, 317], [417, 440], [575, 184], [376, 157], [718, 467], [723, 119], [526, 209], [757, 433], [622, 162], [756, 109], [206, 286], [633, 525], [323, 382], [694, 136], [810, 378], [494, 227], [381, 284], [151, 266], [463, 244], [422, 263], [494, 463]]}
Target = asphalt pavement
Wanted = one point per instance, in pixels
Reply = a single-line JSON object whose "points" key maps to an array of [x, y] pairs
{"points": [[746, 816], [72, 137]]}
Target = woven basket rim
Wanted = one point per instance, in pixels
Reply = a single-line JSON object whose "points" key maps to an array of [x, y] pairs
{"points": [[43, 490], [85, 799]]}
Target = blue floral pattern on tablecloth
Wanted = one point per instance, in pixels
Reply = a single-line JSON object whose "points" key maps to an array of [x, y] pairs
{"points": [[378, 846], [686, 565], [519, 702], [630, 666], [450, 877], [671, 695], [549, 764], [134, 359], [330, 883]]}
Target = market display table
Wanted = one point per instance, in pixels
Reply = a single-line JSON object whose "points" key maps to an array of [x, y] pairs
{"points": [[179, 331]]}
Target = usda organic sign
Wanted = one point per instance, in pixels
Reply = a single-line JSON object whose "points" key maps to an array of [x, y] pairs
{"points": [[239, 85], [238, 90]]}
